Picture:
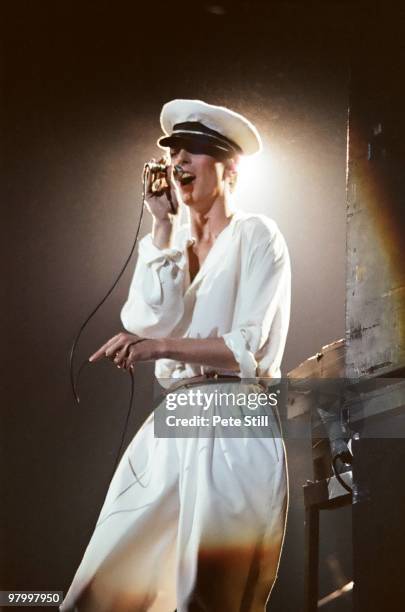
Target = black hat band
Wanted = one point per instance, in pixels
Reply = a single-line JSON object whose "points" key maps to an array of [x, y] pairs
{"points": [[197, 129]]}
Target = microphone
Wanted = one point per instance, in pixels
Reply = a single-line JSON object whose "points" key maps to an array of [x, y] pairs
{"points": [[155, 167]]}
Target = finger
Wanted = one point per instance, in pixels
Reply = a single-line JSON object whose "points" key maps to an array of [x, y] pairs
{"points": [[120, 356], [101, 352], [130, 359], [148, 187], [174, 201], [170, 178], [112, 346], [148, 178], [132, 353], [157, 186], [122, 340]]}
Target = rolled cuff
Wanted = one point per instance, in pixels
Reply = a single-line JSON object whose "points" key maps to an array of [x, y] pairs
{"points": [[166, 268], [236, 341], [150, 253]]}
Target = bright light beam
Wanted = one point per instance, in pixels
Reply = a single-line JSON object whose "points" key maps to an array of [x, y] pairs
{"points": [[258, 181], [346, 588]]}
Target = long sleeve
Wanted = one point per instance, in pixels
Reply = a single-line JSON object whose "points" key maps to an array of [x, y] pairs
{"points": [[260, 324], [155, 300]]}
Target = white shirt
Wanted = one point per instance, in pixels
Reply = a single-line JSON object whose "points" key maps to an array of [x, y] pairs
{"points": [[240, 293]]}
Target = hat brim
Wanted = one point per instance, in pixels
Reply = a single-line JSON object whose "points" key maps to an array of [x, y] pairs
{"points": [[196, 144], [169, 141]]}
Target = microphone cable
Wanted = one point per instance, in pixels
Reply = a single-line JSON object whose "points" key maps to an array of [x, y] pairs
{"points": [[74, 379]]}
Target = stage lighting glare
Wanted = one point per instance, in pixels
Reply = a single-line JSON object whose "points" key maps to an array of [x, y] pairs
{"points": [[346, 588], [257, 180]]}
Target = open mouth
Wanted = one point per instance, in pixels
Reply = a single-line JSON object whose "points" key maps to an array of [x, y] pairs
{"points": [[186, 178]]}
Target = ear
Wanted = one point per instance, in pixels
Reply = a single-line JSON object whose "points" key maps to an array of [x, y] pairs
{"points": [[231, 167]]}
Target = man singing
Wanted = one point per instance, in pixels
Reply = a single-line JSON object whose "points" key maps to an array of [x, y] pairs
{"points": [[197, 523]]}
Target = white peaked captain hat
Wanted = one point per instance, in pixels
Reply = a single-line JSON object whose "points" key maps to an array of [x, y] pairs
{"points": [[213, 126]]}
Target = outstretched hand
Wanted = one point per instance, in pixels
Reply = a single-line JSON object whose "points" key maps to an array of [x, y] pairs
{"points": [[125, 349]]}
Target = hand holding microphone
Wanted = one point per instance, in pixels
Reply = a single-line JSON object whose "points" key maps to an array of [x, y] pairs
{"points": [[161, 196]]}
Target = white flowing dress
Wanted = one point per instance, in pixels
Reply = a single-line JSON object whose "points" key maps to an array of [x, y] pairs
{"points": [[197, 523]]}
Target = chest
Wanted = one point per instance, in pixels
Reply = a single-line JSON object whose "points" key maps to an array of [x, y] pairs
{"points": [[212, 300], [197, 254]]}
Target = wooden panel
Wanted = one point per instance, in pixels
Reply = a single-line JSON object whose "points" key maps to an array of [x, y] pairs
{"points": [[375, 292], [327, 363]]}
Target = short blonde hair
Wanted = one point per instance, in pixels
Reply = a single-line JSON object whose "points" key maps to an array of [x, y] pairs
{"points": [[232, 166]]}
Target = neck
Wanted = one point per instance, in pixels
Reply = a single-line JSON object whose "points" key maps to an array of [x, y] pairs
{"points": [[208, 223]]}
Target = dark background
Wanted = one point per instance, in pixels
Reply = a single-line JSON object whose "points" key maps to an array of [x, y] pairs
{"points": [[83, 85]]}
